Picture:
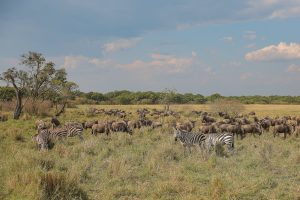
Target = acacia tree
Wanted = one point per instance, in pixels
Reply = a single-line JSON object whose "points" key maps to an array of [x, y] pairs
{"points": [[39, 81], [61, 91], [40, 76]]}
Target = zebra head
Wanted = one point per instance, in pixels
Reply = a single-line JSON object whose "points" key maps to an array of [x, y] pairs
{"points": [[176, 133]]}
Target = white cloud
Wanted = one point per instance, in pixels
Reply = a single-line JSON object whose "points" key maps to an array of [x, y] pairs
{"points": [[293, 68], [120, 44], [227, 39], [162, 63], [250, 35], [286, 12], [271, 9], [282, 51], [72, 62]]}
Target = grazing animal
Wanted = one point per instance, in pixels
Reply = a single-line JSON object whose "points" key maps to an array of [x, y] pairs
{"points": [[101, 127], [44, 135], [55, 122], [188, 139], [42, 139], [89, 124], [134, 124], [297, 131], [121, 126], [208, 129], [282, 128], [186, 126], [208, 119], [252, 128], [41, 124], [223, 138]]}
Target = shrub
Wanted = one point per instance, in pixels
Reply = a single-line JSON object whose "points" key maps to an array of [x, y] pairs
{"points": [[40, 108]]}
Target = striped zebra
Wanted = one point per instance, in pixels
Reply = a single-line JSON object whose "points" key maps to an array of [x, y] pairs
{"points": [[189, 139], [44, 136], [222, 138]]}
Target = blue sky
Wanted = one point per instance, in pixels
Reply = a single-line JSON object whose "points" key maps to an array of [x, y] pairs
{"points": [[249, 47]]}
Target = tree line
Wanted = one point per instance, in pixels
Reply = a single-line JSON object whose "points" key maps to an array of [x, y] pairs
{"points": [[149, 97], [39, 80]]}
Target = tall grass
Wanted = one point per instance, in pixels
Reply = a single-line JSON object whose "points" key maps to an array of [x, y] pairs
{"points": [[147, 165]]}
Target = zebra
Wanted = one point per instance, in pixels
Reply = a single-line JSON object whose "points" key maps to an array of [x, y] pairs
{"points": [[44, 135], [189, 139], [74, 130], [223, 138]]}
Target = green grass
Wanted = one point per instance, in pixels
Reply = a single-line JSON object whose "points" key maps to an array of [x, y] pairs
{"points": [[147, 165]]}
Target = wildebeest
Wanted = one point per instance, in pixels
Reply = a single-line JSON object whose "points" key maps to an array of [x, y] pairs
{"points": [[208, 119], [282, 128], [297, 131], [252, 128], [55, 123], [265, 124], [101, 127], [186, 126], [212, 128], [89, 124], [134, 124], [121, 126]]}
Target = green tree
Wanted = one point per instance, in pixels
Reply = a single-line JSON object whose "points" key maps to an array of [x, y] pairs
{"points": [[7, 93], [40, 81]]}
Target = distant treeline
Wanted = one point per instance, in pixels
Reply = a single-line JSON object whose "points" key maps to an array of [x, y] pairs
{"points": [[149, 97]]}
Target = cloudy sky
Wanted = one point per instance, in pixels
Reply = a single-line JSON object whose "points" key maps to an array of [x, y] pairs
{"points": [[234, 47]]}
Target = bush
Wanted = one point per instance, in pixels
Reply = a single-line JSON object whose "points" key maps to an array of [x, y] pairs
{"points": [[40, 108]]}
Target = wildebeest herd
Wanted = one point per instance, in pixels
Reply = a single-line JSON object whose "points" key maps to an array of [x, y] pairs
{"points": [[206, 131]]}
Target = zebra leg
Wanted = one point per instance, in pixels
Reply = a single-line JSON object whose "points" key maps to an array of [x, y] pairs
{"points": [[80, 137], [190, 151]]}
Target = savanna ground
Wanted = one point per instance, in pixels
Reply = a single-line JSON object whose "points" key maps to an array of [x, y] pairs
{"points": [[147, 165]]}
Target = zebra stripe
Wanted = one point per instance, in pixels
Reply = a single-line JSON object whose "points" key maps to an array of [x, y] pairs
{"points": [[42, 139], [45, 135], [223, 138], [189, 139], [74, 130]]}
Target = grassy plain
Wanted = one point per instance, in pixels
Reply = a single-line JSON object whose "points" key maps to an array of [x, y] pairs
{"points": [[147, 165]]}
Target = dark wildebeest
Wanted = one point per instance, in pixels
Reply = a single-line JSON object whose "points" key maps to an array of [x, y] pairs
{"points": [[265, 124], [252, 128], [208, 119], [282, 128], [55, 123], [134, 124]]}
